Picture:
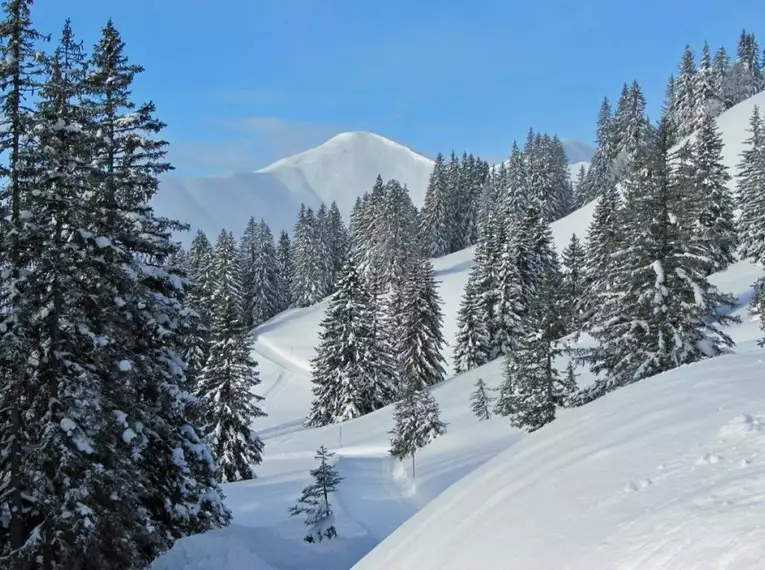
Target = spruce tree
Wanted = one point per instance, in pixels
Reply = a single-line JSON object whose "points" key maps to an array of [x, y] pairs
{"points": [[338, 243], [418, 322], [574, 282], [685, 97], [417, 423], [751, 193], [661, 311], [716, 227], [260, 279], [352, 372], [480, 401], [472, 348], [435, 223], [314, 500], [307, 278], [720, 74], [20, 76], [227, 405], [705, 94], [284, 271], [173, 473]]}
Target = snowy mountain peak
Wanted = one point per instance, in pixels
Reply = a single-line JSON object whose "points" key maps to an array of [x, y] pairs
{"points": [[339, 170]]}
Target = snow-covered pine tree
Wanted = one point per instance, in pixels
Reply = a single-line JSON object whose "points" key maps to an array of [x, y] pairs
{"points": [[172, 469], [721, 81], [751, 192], [260, 274], [705, 94], [661, 312], [580, 198], [353, 371], [716, 227], [604, 237], [20, 76], [472, 347], [632, 126], [669, 111], [435, 223], [396, 243], [306, 288], [514, 196], [418, 323], [227, 405], [417, 423], [745, 76], [480, 400], [574, 284], [566, 389], [314, 500], [284, 271], [338, 243], [199, 297], [75, 519], [685, 97], [599, 175]]}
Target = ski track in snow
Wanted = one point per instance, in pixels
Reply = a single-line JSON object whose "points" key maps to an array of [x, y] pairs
{"points": [[668, 473]]}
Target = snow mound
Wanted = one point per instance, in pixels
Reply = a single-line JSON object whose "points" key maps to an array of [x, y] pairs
{"points": [[340, 170]]}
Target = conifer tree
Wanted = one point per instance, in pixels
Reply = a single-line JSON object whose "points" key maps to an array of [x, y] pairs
{"points": [[338, 246], [307, 282], [751, 192], [661, 312], [417, 423], [173, 474], [227, 404], [707, 101], [721, 81], [418, 320], [353, 371], [435, 223], [196, 345], [565, 391], [669, 112], [685, 97], [284, 271], [260, 284], [745, 76], [580, 198], [715, 202], [395, 229], [480, 401], [20, 77], [573, 286], [314, 500], [472, 348]]}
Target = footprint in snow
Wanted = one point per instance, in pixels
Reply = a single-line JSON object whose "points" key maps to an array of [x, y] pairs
{"points": [[642, 484]]}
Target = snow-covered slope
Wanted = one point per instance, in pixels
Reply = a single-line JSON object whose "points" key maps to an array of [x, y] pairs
{"points": [[668, 473], [340, 169]]}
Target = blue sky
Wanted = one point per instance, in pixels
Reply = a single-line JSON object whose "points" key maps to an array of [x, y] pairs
{"points": [[244, 82]]}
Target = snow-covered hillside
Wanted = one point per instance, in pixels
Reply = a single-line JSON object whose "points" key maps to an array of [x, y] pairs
{"points": [[668, 473], [340, 169]]}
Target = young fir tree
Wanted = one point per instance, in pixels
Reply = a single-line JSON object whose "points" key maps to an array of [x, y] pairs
{"points": [[284, 271], [436, 223], [417, 423], [199, 265], [337, 244], [566, 390], [396, 245], [227, 404], [314, 500], [352, 371], [574, 284], [480, 401], [418, 323], [751, 193], [716, 227], [472, 347], [661, 311], [173, 473], [720, 74], [707, 101]]}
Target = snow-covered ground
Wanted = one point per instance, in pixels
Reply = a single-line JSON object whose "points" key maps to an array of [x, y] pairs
{"points": [[668, 473]]}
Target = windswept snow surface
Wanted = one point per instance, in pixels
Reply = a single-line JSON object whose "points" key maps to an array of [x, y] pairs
{"points": [[668, 473]]}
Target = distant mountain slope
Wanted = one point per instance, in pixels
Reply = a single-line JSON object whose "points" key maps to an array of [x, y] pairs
{"points": [[340, 169], [577, 151]]}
